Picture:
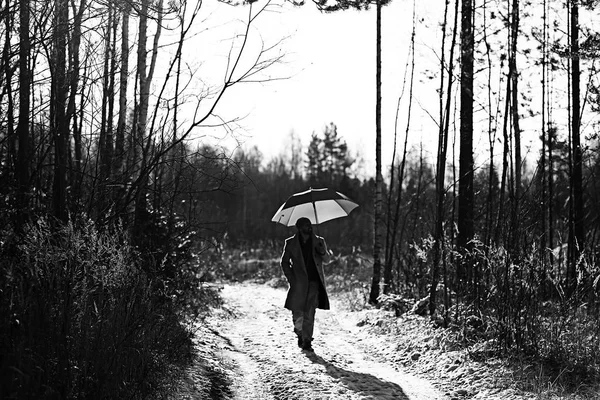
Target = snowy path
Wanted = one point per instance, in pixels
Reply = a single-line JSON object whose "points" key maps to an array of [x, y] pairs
{"points": [[266, 363]]}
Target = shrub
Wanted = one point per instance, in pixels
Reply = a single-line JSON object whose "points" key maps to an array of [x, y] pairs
{"points": [[523, 309], [80, 319]]}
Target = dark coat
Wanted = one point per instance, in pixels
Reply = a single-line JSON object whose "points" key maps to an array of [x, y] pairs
{"points": [[292, 264]]}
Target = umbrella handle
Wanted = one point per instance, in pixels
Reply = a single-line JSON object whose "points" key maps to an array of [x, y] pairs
{"points": [[316, 216]]}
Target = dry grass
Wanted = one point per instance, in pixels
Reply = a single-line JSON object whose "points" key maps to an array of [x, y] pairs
{"points": [[80, 317]]}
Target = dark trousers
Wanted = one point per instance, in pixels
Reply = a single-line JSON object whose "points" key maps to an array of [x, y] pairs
{"points": [[304, 320]]}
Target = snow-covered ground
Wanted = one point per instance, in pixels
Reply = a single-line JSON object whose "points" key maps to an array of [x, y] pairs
{"points": [[254, 354]]}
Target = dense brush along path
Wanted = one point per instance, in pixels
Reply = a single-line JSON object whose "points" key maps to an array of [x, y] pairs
{"points": [[259, 355]]}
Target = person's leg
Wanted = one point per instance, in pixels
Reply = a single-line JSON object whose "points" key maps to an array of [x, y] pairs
{"points": [[308, 320], [298, 319]]}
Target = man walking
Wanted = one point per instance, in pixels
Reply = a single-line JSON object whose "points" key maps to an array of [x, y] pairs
{"points": [[302, 264]]}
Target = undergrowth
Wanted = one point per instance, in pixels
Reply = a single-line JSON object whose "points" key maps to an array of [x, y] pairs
{"points": [[520, 311], [81, 319]]}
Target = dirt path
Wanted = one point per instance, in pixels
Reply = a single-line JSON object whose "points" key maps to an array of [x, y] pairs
{"points": [[259, 348]]}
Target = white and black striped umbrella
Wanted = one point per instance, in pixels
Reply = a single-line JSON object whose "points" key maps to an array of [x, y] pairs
{"points": [[318, 205]]}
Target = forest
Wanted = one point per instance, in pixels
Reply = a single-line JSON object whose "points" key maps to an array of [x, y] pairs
{"points": [[116, 209]]}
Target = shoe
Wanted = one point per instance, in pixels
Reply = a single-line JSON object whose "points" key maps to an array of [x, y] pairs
{"points": [[307, 346]]}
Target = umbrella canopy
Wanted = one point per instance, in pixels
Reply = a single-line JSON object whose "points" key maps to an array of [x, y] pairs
{"points": [[318, 205]]}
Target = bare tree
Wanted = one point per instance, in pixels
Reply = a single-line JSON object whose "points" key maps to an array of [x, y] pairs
{"points": [[74, 70], [22, 164], [123, 75], [394, 218], [156, 148], [377, 236], [105, 142], [443, 134], [577, 232], [465, 181], [514, 81], [545, 201], [7, 83], [60, 126], [491, 195]]}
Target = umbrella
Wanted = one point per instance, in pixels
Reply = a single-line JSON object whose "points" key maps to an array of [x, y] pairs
{"points": [[318, 205]]}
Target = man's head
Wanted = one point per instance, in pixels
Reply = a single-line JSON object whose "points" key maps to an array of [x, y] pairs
{"points": [[304, 225]]}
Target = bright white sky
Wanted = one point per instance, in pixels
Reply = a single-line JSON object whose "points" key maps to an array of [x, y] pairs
{"points": [[330, 64], [331, 69]]}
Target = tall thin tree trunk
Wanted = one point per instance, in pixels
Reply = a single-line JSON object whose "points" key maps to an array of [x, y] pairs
{"points": [[24, 111], [75, 43], [60, 122], [140, 201], [514, 74], [123, 75], [577, 241], [145, 79], [505, 153], [60, 130], [544, 200], [104, 144], [391, 237], [465, 180], [78, 118], [491, 197], [443, 134], [175, 171], [550, 134], [8, 76], [109, 153], [374, 294], [550, 182]]}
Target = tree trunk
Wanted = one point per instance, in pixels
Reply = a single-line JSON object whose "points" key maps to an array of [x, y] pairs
{"points": [[105, 145], [440, 178], [514, 74], [123, 75], [465, 180], [73, 83], [12, 157], [491, 197], [393, 230], [109, 147], [374, 295], [544, 198], [78, 118], [577, 241], [176, 164], [60, 130], [141, 190], [145, 79], [60, 122], [505, 153], [550, 185], [22, 163]]}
